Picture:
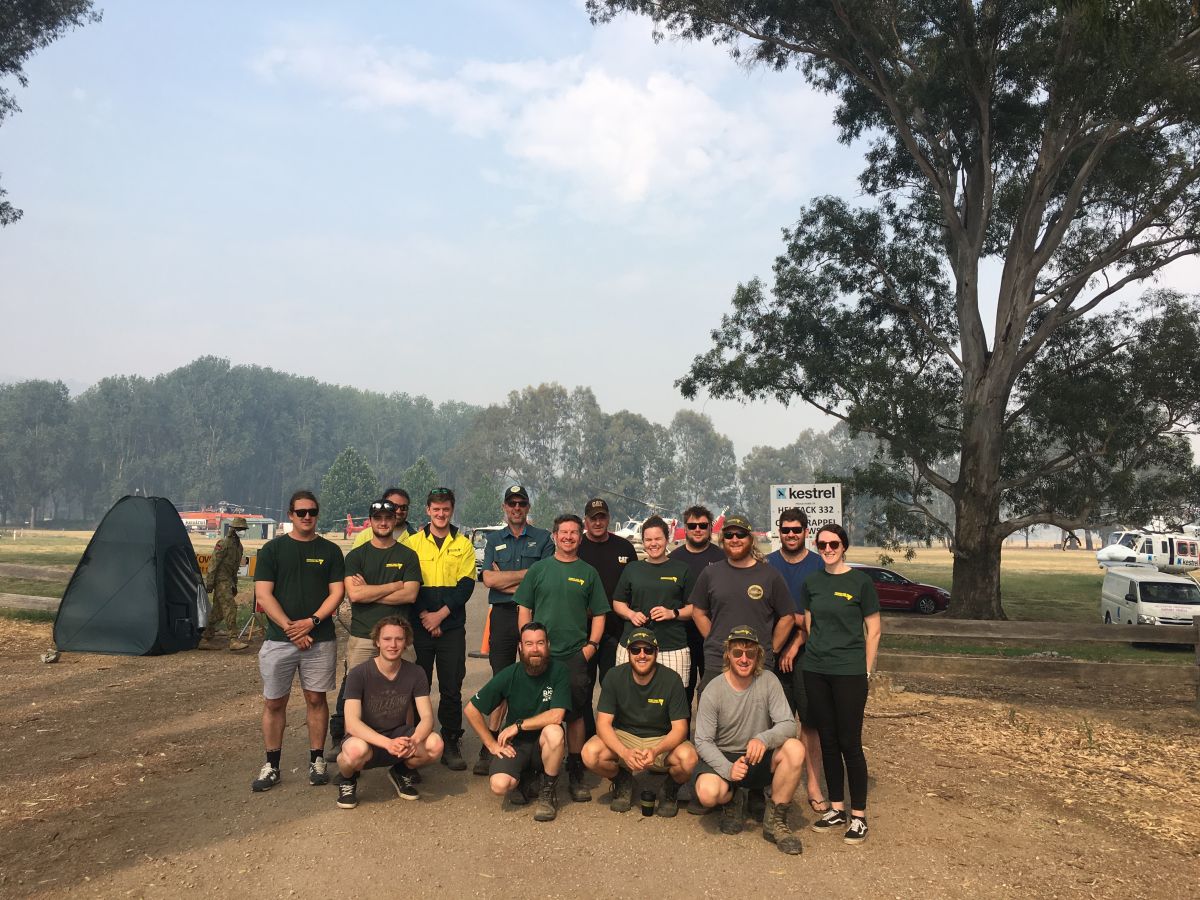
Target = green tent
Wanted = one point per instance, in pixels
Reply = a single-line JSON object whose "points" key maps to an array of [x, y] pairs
{"points": [[138, 589]]}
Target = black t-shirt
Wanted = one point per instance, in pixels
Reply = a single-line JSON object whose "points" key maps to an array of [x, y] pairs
{"points": [[609, 558], [698, 562]]}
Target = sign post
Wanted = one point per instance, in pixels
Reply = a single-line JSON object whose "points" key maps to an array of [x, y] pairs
{"points": [[822, 503]]}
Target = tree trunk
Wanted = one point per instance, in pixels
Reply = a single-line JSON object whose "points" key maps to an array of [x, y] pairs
{"points": [[975, 589]]}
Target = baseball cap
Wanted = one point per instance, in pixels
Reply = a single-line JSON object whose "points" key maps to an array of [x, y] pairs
{"points": [[516, 492], [742, 633], [642, 636], [595, 507], [238, 523], [736, 521]]}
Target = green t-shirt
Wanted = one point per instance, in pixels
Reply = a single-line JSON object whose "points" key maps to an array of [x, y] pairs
{"points": [[302, 572], [396, 563], [561, 596], [527, 695], [838, 603], [645, 585], [645, 710]]}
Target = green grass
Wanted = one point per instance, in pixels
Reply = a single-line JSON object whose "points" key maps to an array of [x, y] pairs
{"points": [[28, 615], [1158, 655], [34, 587]]}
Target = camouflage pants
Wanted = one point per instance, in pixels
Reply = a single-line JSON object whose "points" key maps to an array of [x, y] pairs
{"points": [[224, 611]]}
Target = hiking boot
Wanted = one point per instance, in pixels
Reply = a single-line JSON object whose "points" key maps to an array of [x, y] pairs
{"points": [[777, 831], [519, 795], [347, 797], [318, 771], [696, 808], [268, 777], [578, 790], [547, 805], [236, 644], [622, 792], [401, 779], [452, 755], [208, 643], [733, 813], [857, 832], [668, 799], [483, 765], [829, 822]]}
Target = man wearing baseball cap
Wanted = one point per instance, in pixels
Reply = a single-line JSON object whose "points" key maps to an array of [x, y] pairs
{"points": [[608, 554], [221, 580], [746, 739], [742, 590], [641, 724], [507, 556]]}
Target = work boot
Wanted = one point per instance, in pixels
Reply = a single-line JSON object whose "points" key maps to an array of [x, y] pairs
{"points": [[547, 805], [578, 790], [733, 813], [483, 765], [452, 755], [668, 800], [236, 644], [519, 795], [208, 642], [776, 829], [622, 792]]}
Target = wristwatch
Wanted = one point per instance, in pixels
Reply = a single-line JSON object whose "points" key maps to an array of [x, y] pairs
{"points": [[316, 620], [519, 723], [592, 644]]}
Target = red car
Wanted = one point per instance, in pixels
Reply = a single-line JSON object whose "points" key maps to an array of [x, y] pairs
{"points": [[897, 592]]}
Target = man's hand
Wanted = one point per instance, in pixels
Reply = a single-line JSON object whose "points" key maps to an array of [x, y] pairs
{"points": [[402, 747], [506, 735], [433, 620], [662, 614], [639, 760], [637, 619], [297, 628], [588, 652], [755, 750], [787, 660], [358, 580], [303, 642], [739, 770], [504, 751]]}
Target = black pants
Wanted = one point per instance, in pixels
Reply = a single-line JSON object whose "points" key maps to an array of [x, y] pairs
{"points": [[835, 705], [696, 645], [449, 653], [503, 636]]}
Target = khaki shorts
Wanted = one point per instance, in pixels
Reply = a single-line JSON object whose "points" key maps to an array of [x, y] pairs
{"points": [[633, 742]]}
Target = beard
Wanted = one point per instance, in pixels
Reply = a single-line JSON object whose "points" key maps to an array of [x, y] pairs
{"points": [[739, 554], [535, 665], [698, 543]]}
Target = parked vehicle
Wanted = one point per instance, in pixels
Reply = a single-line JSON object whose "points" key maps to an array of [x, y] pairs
{"points": [[478, 537], [1142, 595], [897, 592], [1166, 551]]}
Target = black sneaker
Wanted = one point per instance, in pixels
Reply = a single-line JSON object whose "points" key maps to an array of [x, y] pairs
{"points": [[452, 756], [318, 771], [268, 777], [857, 832], [347, 797], [483, 765], [733, 813], [401, 779], [832, 820]]}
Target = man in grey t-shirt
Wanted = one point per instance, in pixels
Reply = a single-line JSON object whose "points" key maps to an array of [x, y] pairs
{"points": [[742, 590], [746, 739]]}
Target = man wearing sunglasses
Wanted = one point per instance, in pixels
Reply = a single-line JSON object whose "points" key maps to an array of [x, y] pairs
{"points": [[398, 497], [298, 584], [439, 616], [741, 590], [507, 556], [746, 739], [697, 551], [382, 579], [642, 724]]}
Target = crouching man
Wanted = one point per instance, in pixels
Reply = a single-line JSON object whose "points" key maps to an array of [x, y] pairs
{"points": [[746, 738], [380, 693], [537, 690], [641, 723]]}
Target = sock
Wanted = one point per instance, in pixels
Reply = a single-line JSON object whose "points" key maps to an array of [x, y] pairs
{"points": [[273, 757], [575, 760], [313, 754]]}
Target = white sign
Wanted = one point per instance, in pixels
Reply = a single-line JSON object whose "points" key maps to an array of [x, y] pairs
{"points": [[822, 503]]}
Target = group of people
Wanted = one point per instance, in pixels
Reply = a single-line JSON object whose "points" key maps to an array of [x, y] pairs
{"points": [[764, 643]]}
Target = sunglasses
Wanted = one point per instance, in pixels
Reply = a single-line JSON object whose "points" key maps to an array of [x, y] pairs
{"points": [[739, 652], [829, 545], [734, 535], [642, 650], [440, 492], [699, 526], [792, 529], [399, 506], [305, 513], [383, 506], [517, 504]]}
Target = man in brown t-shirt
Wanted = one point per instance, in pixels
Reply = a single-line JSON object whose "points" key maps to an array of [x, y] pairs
{"points": [[380, 693]]}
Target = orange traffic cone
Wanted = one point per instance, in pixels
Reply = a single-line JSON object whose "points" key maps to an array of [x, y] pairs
{"points": [[485, 645]]}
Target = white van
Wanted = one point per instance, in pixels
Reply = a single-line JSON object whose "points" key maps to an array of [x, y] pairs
{"points": [[1141, 595]]}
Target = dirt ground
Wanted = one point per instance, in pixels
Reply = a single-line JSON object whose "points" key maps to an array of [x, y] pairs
{"points": [[130, 777]]}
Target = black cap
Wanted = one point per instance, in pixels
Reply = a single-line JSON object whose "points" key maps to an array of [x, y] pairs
{"points": [[516, 492], [642, 636], [595, 507], [743, 633]]}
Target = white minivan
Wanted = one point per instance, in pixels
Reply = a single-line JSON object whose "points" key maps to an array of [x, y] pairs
{"points": [[1142, 595]]}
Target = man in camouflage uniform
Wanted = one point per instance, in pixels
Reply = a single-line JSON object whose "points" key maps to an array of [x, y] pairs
{"points": [[222, 582]]}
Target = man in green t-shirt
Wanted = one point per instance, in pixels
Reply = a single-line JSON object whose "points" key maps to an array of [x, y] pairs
{"points": [[398, 497], [567, 595], [298, 584], [382, 579], [642, 723], [536, 690]]}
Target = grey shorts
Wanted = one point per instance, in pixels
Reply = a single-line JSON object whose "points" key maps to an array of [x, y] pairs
{"points": [[278, 662]]}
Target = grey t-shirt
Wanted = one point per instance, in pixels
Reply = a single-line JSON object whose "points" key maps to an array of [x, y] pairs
{"points": [[732, 597], [727, 720], [385, 704]]}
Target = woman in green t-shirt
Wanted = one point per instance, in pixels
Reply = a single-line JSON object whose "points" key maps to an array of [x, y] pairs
{"points": [[841, 609], [654, 593]]}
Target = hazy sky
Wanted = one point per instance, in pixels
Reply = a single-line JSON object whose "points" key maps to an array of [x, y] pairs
{"points": [[495, 190]]}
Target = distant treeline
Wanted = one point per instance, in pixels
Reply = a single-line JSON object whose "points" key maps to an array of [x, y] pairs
{"points": [[209, 431]]}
